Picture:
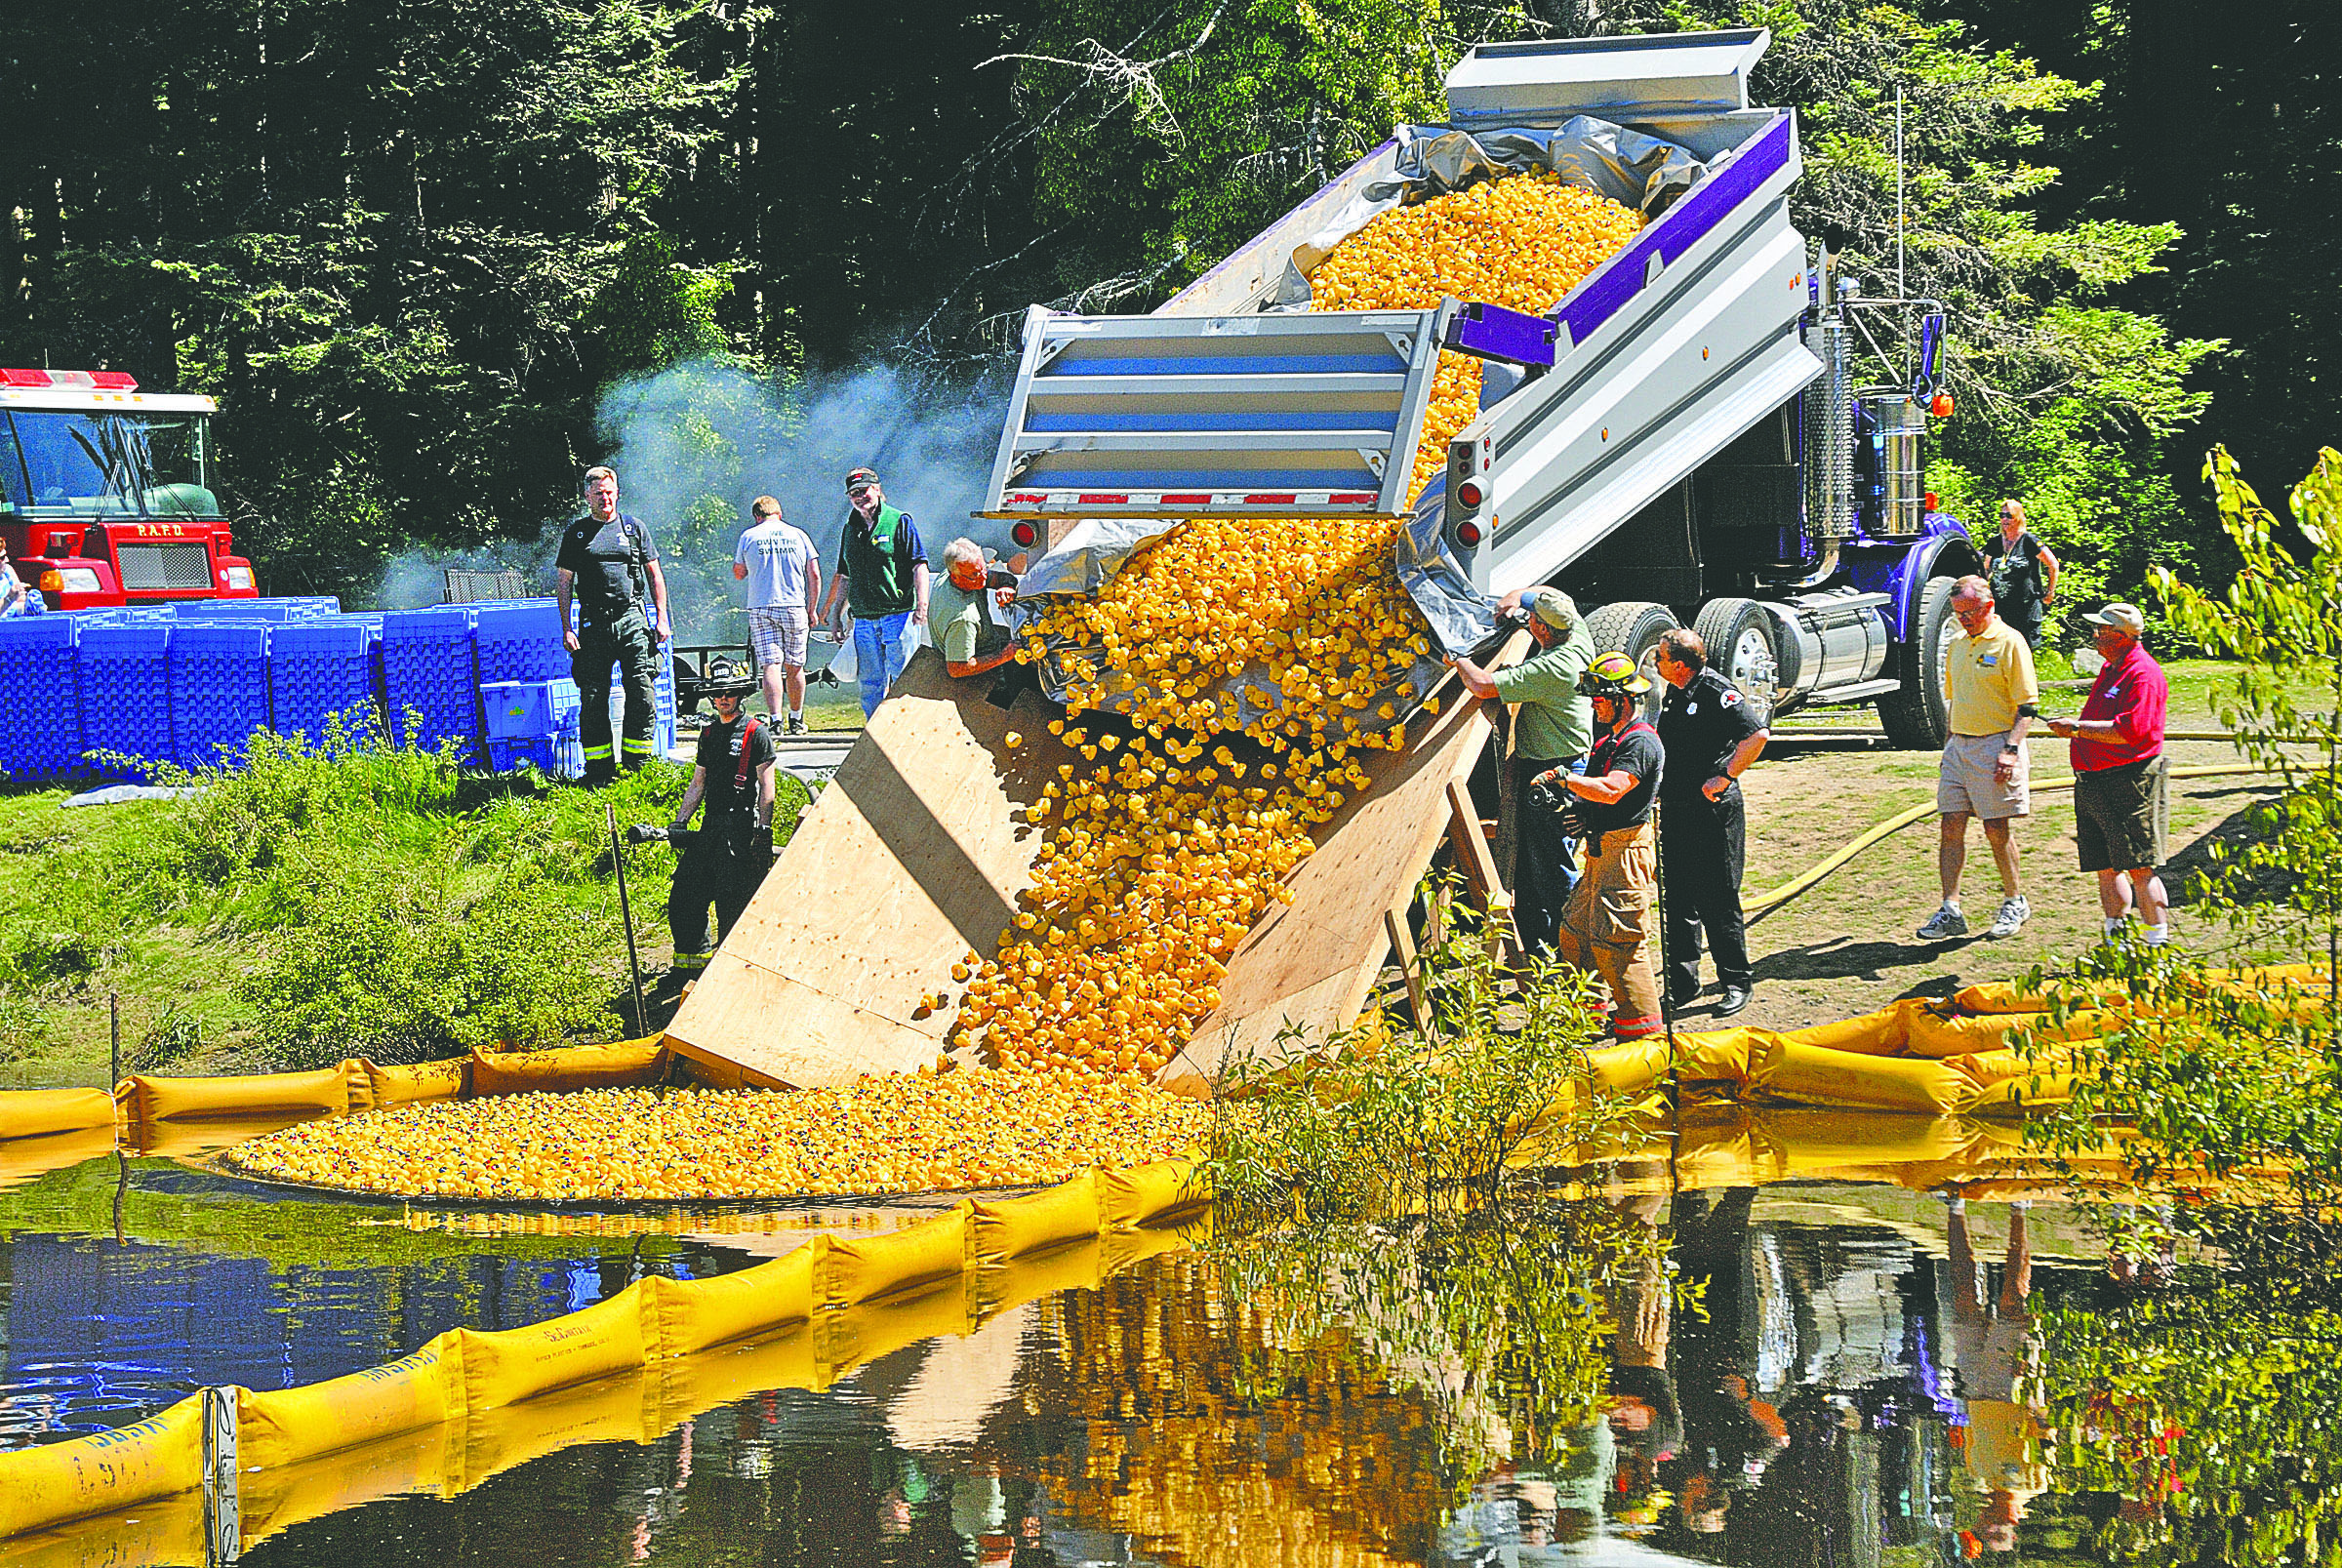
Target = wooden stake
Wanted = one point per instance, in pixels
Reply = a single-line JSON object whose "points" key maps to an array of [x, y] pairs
{"points": [[1410, 964]]}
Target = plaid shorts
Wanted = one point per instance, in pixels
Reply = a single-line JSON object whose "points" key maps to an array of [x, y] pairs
{"points": [[778, 634]]}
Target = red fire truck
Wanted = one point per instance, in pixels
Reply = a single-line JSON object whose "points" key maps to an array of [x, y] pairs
{"points": [[105, 492]]}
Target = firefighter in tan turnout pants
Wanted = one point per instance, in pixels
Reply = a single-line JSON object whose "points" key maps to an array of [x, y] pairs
{"points": [[1607, 925]]}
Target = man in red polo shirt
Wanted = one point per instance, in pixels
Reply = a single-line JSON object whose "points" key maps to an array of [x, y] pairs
{"points": [[2120, 813]]}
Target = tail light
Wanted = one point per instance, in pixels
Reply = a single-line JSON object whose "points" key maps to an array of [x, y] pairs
{"points": [[1023, 533], [1941, 406], [1930, 503], [1467, 534], [1470, 493]]}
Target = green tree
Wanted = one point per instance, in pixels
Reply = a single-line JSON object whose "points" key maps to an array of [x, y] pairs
{"points": [[404, 245], [1168, 136]]}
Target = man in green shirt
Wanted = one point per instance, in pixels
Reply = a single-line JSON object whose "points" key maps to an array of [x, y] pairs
{"points": [[1553, 729], [971, 640], [882, 575]]}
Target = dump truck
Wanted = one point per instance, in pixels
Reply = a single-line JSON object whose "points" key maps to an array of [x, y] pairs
{"points": [[1682, 440], [106, 492]]}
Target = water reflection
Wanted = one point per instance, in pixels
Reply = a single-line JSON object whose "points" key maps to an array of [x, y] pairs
{"points": [[1808, 1372]]}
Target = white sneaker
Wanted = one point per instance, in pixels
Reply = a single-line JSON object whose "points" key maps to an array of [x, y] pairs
{"points": [[2110, 931], [1946, 924], [2157, 935], [2014, 912]]}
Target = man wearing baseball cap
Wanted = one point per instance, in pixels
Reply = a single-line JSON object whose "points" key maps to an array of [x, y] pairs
{"points": [[882, 573], [2120, 809], [1554, 729]]}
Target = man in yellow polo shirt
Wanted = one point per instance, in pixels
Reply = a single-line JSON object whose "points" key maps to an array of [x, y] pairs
{"points": [[1992, 697]]}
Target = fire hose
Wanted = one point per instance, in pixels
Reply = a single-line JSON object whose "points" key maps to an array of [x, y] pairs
{"points": [[1764, 903]]}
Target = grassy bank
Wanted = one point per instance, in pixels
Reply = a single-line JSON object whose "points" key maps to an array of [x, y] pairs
{"points": [[343, 900]]}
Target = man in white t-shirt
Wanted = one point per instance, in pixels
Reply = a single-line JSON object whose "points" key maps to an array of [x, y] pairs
{"points": [[784, 574]]}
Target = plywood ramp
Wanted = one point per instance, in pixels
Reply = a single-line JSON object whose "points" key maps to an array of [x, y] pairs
{"points": [[918, 850], [911, 858]]}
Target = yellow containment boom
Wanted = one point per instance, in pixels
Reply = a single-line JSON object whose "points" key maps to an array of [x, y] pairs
{"points": [[916, 855]]}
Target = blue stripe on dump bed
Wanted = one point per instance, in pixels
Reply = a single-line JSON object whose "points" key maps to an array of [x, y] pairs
{"points": [[1231, 365], [1045, 476], [1384, 420], [1679, 230]]}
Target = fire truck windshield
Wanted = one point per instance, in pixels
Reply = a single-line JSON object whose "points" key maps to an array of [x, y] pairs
{"points": [[75, 465]]}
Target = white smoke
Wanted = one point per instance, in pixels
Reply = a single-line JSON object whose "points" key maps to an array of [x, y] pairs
{"points": [[417, 578], [695, 444]]}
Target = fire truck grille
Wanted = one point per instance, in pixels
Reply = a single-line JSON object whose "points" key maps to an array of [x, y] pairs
{"points": [[165, 565]]}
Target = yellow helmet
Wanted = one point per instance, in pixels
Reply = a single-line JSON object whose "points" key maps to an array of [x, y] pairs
{"points": [[1613, 675]]}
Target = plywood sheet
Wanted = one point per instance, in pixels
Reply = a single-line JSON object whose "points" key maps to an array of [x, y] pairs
{"points": [[1311, 963], [910, 859]]}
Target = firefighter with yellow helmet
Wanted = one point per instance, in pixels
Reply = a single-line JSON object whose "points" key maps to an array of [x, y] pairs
{"points": [[1608, 923]]}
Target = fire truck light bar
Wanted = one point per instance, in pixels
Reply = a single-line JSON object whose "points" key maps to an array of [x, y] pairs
{"points": [[100, 380]]}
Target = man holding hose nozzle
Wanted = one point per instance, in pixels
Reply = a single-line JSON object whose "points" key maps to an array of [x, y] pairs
{"points": [[726, 859], [1607, 926]]}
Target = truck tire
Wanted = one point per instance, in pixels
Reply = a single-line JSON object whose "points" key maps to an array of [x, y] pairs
{"points": [[1739, 635], [1633, 627], [1918, 718]]}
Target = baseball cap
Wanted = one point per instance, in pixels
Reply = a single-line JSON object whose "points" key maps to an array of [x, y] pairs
{"points": [[859, 477], [2121, 617], [1554, 608]]}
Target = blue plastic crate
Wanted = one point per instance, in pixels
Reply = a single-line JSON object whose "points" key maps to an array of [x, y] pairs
{"points": [[218, 689], [40, 696], [123, 670], [558, 756], [527, 710], [520, 639], [270, 609], [323, 666], [430, 678]]}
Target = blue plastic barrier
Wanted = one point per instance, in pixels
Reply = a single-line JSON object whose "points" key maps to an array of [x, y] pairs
{"points": [[520, 640], [320, 668], [218, 689], [40, 696], [430, 679], [124, 669]]}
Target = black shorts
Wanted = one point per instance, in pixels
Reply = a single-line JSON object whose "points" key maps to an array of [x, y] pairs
{"points": [[2121, 815]]}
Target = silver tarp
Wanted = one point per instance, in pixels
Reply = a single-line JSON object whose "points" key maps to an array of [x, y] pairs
{"points": [[1630, 167], [1460, 616]]}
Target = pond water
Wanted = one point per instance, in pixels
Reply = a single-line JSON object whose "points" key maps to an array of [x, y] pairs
{"points": [[1809, 1372]]}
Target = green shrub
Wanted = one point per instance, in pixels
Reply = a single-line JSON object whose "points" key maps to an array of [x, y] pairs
{"points": [[176, 1034], [24, 1028], [406, 969]]}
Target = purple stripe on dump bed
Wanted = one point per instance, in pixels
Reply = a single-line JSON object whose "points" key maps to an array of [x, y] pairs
{"points": [[1678, 230]]}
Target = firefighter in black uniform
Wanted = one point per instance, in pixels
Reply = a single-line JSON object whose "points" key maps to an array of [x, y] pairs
{"points": [[1712, 734], [621, 620], [725, 861]]}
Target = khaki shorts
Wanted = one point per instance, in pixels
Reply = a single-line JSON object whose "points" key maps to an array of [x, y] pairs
{"points": [[778, 633], [1967, 779]]}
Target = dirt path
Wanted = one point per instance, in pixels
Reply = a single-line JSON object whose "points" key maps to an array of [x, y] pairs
{"points": [[1848, 945]]}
